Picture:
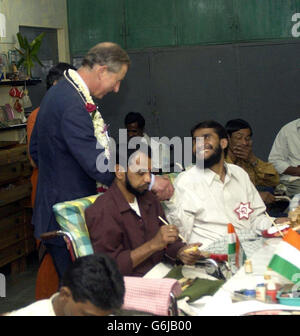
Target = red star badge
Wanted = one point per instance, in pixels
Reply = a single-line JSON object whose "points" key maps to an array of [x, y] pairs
{"points": [[243, 210]]}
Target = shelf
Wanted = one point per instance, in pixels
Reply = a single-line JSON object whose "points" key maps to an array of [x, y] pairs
{"points": [[9, 128], [20, 82]]}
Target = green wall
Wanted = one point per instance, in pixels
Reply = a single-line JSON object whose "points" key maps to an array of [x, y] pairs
{"points": [[138, 24]]}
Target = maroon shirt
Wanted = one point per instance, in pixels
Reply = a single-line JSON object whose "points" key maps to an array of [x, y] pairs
{"points": [[116, 229]]}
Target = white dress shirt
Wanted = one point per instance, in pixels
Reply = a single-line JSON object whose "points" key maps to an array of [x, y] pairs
{"points": [[203, 205], [135, 207], [285, 151], [38, 308]]}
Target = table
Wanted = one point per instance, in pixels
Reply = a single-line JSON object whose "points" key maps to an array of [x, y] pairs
{"points": [[221, 303]]}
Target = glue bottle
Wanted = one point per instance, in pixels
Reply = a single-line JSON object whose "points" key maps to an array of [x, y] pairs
{"points": [[271, 290], [261, 292], [248, 266]]}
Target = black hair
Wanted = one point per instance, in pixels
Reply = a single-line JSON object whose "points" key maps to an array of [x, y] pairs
{"points": [[96, 278], [218, 128], [132, 117], [235, 125], [56, 73]]}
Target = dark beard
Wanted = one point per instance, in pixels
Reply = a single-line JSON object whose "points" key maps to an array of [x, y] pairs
{"points": [[131, 189], [214, 158]]}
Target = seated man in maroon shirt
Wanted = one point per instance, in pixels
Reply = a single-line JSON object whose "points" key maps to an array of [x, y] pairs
{"points": [[124, 223]]}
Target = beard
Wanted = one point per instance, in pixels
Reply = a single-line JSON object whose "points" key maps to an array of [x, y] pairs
{"points": [[214, 158], [133, 190], [210, 161]]}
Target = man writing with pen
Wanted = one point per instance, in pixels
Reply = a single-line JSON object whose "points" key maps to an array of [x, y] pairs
{"points": [[124, 222]]}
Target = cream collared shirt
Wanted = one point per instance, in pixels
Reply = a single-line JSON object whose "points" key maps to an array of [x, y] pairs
{"points": [[285, 151], [203, 205]]}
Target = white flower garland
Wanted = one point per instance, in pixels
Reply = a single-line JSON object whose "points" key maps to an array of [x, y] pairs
{"points": [[100, 128]]}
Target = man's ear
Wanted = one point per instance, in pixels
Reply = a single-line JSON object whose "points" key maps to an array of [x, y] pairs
{"points": [[224, 143], [119, 171], [229, 142], [65, 292], [101, 69]]}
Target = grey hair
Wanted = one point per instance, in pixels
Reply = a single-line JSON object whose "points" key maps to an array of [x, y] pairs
{"points": [[109, 54]]}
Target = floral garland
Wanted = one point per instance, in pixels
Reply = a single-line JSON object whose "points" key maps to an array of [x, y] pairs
{"points": [[100, 128]]}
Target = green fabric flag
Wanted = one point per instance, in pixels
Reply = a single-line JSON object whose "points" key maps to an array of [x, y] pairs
{"points": [[199, 288]]}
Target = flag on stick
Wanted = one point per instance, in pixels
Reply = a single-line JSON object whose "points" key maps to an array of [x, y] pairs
{"points": [[236, 254]]}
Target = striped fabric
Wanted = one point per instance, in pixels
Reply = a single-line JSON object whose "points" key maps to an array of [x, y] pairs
{"points": [[70, 217], [149, 295]]}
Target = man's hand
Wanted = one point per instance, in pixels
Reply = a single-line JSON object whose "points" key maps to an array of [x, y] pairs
{"points": [[243, 152], [189, 257], [282, 220], [267, 197], [167, 234], [162, 188], [294, 171]]}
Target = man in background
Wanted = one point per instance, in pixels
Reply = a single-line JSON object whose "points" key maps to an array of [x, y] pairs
{"points": [[262, 174], [135, 125], [285, 156]]}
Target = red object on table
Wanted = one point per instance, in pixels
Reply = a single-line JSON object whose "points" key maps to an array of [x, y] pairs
{"points": [[277, 234], [219, 257]]}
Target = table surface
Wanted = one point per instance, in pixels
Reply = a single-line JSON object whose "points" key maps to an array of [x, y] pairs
{"points": [[221, 303]]}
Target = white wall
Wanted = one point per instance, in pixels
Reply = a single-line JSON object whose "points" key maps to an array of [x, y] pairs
{"points": [[36, 13], [32, 13]]}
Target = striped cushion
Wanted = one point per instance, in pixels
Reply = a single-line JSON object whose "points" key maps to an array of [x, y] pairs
{"points": [[70, 217]]}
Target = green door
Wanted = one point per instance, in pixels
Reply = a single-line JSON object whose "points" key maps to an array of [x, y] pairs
{"points": [[91, 22], [205, 21], [150, 23], [265, 19]]}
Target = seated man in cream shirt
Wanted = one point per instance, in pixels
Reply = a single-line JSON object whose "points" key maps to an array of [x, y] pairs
{"points": [[285, 156], [213, 193]]}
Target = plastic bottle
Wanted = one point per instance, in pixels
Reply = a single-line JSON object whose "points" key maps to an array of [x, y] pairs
{"points": [[248, 266], [271, 290], [261, 292]]}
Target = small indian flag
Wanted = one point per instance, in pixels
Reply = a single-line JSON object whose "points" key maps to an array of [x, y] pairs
{"points": [[286, 260], [236, 254]]}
